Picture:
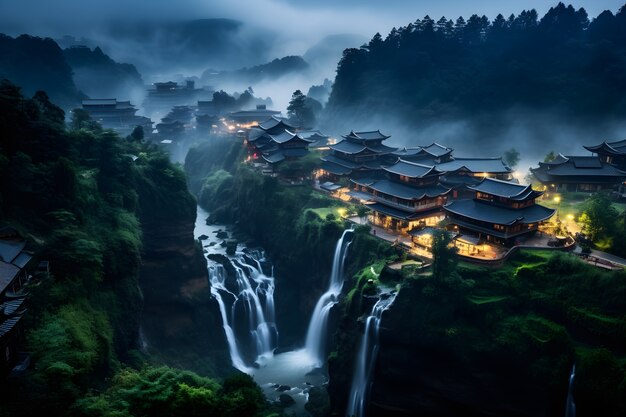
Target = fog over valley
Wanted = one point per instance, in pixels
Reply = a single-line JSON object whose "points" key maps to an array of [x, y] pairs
{"points": [[312, 208]]}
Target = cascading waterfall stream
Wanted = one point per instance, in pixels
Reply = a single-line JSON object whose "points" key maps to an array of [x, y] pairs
{"points": [[217, 277], [247, 313], [316, 335], [570, 407], [368, 351]]}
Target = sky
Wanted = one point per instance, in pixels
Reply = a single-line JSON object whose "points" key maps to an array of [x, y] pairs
{"points": [[299, 21]]}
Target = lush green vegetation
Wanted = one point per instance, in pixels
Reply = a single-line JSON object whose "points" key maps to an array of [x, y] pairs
{"points": [[296, 225], [77, 195], [431, 70], [522, 325], [168, 392]]}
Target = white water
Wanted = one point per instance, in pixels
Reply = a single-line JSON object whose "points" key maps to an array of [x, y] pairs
{"points": [[570, 407], [246, 301], [316, 336], [368, 351]]}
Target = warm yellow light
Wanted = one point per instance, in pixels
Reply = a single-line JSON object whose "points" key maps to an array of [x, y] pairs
{"points": [[342, 212], [557, 199], [570, 217]]}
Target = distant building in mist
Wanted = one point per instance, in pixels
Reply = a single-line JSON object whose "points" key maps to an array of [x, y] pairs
{"points": [[249, 118], [162, 96], [117, 115]]}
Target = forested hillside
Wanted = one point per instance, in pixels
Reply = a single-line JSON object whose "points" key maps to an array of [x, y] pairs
{"points": [[441, 69], [76, 194]]}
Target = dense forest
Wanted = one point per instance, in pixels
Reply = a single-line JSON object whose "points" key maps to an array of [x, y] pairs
{"points": [[441, 69], [77, 193]]}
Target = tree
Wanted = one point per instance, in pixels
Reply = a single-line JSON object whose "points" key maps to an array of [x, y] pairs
{"points": [[511, 157], [550, 156], [223, 101], [362, 211], [299, 111], [599, 218], [137, 133], [444, 255]]}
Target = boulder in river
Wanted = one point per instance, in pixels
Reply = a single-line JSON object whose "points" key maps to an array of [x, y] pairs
{"points": [[286, 400]]}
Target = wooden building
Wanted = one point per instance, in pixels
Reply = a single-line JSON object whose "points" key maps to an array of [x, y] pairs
{"points": [[613, 153], [117, 115], [276, 140], [248, 118], [408, 196], [432, 154], [359, 154], [500, 212], [15, 264], [471, 171], [579, 173]]}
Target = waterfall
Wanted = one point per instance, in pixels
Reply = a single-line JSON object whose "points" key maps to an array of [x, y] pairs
{"points": [[316, 335], [246, 303], [570, 407], [368, 351]]}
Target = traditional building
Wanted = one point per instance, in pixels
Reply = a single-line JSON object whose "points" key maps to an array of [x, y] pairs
{"points": [[15, 262], [248, 118], [359, 154], [285, 146], [117, 115], [165, 95], [276, 140], [172, 129], [579, 173], [206, 123], [471, 171], [500, 212], [613, 153], [320, 141], [428, 155], [409, 196]]}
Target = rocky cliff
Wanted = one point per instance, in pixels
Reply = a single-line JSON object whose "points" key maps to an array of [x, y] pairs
{"points": [[180, 322]]}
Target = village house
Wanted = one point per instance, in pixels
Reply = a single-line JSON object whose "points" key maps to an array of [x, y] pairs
{"points": [[579, 173], [501, 212], [117, 115], [408, 196], [359, 154], [248, 118], [276, 140], [16, 264], [613, 153]]}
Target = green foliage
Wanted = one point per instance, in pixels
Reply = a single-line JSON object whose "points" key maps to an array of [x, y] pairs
{"points": [[511, 157], [598, 217], [165, 392], [427, 70], [550, 156], [76, 195], [302, 111], [444, 255], [216, 187]]}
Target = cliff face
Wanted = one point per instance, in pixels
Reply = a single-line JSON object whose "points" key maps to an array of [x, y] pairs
{"points": [[180, 322], [434, 361]]}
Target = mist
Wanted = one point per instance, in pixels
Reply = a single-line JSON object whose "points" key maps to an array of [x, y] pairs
{"points": [[140, 32], [531, 132]]}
